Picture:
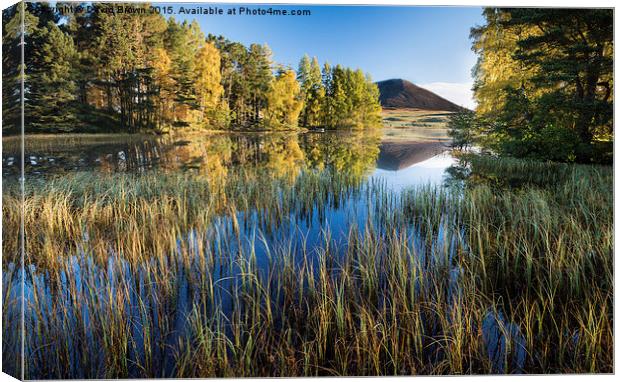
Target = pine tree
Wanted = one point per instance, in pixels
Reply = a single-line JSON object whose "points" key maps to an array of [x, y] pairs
{"points": [[236, 89], [162, 65], [49, 76], [257, 73], [183, 41], [52, 89], [315, 101], [340, 102], [11, 64], [96, 71], [544, 82], [303, 75], [309, 75], [574, 47], [327, 106], [303, 72]]}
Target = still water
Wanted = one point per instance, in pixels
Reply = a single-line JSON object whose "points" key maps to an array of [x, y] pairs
{"points": [[400, 163], [371, 164]]}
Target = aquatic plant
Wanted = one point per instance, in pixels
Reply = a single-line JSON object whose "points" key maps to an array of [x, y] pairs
{"points": [[157, 275]]}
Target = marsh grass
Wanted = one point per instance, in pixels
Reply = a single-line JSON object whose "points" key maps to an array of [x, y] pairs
{"points": [[174, 275]]}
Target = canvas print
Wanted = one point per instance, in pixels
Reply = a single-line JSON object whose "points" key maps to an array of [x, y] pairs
{"points": [[202, 190]]}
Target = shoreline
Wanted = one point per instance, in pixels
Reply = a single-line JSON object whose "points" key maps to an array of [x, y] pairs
{"points": [[398, 155]]}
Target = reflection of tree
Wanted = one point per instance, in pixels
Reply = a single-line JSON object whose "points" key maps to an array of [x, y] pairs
{"points": [[284, 157], [207, 156], [277, 156], [280, 156], [353, 154], [217, 160], [458, 172], [226, 159], [303, 174]]}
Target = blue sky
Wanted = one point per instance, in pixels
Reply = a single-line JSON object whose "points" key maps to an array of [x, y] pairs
{"points": [[429, 46]]}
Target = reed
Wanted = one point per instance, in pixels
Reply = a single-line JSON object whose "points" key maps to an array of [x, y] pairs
{"points": [[169, 275]]}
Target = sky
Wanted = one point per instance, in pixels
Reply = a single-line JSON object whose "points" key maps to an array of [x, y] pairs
{"points": [[428, 46]]}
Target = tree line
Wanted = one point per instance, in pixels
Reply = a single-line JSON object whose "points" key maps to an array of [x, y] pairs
{"points": [[543, 85], [101, 72]]}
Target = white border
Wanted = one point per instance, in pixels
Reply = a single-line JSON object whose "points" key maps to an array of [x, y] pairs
{"points": [[523, 3]]}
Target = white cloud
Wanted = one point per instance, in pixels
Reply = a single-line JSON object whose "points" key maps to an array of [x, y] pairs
{"points": [[459, 93]]}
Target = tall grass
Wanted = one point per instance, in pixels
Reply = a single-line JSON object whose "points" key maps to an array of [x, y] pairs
{"points": [[177, 276]]}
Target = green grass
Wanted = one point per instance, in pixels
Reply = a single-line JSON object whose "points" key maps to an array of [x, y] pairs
{"points": [[411, 293]]}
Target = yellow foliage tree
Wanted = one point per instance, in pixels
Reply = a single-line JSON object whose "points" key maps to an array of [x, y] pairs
{"points": [[284, 101], [496, 68], [162, 64], [209, 89]]}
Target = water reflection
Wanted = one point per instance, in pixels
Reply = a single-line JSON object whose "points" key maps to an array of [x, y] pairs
{"points": [[428, 171], [204, 272], [504, 342], [206, 268], [281, 155]]}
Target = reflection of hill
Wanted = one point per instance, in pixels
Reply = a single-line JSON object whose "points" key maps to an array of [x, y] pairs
{"points": [[398, 155]]}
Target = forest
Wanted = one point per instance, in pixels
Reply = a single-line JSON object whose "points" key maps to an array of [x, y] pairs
{"points": [[543, 85], [92, 71]]}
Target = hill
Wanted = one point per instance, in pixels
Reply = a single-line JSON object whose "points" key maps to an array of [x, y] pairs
{"points": [[402, 94]]}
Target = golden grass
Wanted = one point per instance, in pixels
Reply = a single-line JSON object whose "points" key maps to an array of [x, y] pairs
{"points": [[155, 275]]}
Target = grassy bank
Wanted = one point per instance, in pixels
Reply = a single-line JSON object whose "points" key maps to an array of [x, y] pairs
{"points": [[415, 124], [173, 275]]}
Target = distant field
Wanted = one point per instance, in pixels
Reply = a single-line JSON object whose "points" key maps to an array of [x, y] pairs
{"points": [[415, 124]]}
